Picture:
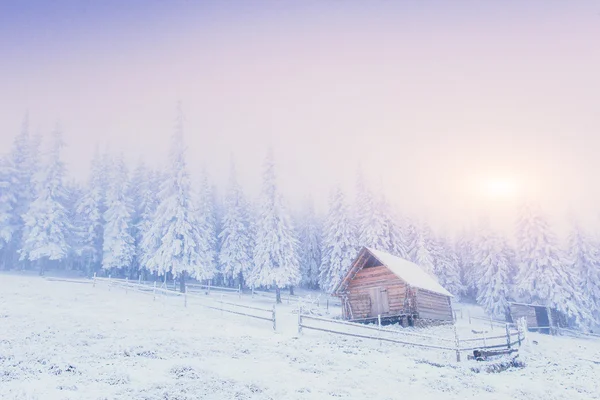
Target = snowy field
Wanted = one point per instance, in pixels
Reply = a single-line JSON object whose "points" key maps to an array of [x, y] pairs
{"points": [[62, 340]]}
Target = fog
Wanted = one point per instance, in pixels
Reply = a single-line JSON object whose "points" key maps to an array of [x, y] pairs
{"points": [[434, 100]]}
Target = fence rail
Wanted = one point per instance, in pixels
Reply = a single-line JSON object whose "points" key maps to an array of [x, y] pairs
{"points": [[458, 347], [202, 300]]}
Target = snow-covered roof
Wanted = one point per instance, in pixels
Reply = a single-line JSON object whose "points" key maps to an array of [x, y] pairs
{"points": [[409, 272]]}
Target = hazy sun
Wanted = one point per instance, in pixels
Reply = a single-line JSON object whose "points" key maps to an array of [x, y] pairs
{"points": [[500, 188]]}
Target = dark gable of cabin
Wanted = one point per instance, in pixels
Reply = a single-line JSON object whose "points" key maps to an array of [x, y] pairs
{"points": [[373, 289]]}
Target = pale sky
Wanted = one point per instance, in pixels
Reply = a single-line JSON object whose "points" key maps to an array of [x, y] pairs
{"points": [[433, 98]]}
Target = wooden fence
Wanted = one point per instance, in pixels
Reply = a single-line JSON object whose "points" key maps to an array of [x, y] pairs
{"points": [[509, 340], [202, 301]]}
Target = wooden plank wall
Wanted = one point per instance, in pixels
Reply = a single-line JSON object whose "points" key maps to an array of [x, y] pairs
{"points": [[518, 311], [374, 277], [433, 306]]}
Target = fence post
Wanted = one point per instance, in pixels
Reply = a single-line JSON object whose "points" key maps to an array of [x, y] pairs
{"points": [[507, 336], [208, 287], [274, 319], [461, 314], [299, 320], [154, 292], [457, 343], [469, 314], [240, 291], [94, 280], [379, 327], [519, 332], [327, 306], [288, 298], [140, 279], [491, 323]]}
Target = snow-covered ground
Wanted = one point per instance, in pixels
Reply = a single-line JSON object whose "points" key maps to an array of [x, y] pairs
{"points": [[61, 340]]}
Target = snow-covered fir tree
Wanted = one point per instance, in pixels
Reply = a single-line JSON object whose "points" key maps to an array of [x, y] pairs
{"points": [[90, 217], [148, 243], [584, 255], [310, 247], [118, 245], [136, 192], [173, 241], [276, 260], [545, 276], [418, 249], [339, 246], [6, 205], [393, 230], [207, 228], [46, 222], [445, 265], [465, 253], [236, 239], [23, 162], [371, 220], [493, 272]]}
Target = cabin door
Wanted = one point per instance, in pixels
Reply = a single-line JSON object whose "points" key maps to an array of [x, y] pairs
{"points": [[379, 301]]}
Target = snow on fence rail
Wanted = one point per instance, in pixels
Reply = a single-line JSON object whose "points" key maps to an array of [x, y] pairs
{"points": [[203, 301], [402, 337]]}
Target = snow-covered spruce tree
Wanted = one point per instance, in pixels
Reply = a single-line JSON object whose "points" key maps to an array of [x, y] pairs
{"points": [[6, 206], [493, 270], [208, 232], [46, 221], [465, 252], [339, 242], [276, 252], [371, 220], [545, 276], [236, 239], [310, 247], [418, 251], [118, 245], [136, 192], [148, 242], [23, 161], [90, 217], [175, 235], [393, 230], [584, 255], [445, 266], [74, 193]]}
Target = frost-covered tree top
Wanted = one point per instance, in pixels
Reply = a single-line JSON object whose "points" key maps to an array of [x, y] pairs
{"points": [[371, 218], [236, 237], [7, 199], [276, 260], [446, 268], [418, 247], [310, 246], [173, 241], [584, 255], [207, 225], [545, 275], [492, 280], [46, 221], [89, 211], [118, 245], [339, 246]]}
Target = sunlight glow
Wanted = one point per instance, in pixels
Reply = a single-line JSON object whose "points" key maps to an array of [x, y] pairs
{"points": [[500, 189]]}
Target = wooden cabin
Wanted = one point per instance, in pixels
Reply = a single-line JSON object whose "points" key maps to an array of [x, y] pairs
{"points": [[380, 284], [539, 318]]}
